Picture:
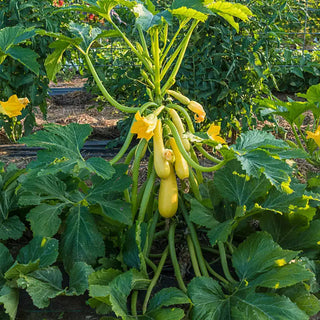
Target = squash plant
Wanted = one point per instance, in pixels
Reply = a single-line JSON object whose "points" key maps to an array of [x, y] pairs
{"points": [[108, 228]]}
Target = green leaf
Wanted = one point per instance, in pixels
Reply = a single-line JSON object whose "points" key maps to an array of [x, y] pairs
{"points": [[25, 56], [283, 276], [43, 249], [79, 278], [234, 185], [265, 307], [165, 314], [81, 240], [168, 297], [130, 251], [6, 261], [259, 254], [59, 141], [313, 94], [44, 219], [42, 285], [220, 232], [101, 167], [18, 269], [11, 228], [53, 62], [209, 302], [9, 297], [258, 162], [201, 215]]}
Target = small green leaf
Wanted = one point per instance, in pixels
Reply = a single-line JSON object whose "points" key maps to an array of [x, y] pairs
{"points": [[42, 285], [11, 228], [79, 278], [259, 254], [44, 219], [81, 240], [201, 215], [6, 261], [9, 297], [220, 232], [43, 249], [101, 167], [168, 297]]}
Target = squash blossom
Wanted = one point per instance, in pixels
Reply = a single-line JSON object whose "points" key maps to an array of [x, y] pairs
{"points": [[213, 132], [13, 106], [144, 126], [315, 136], [197, 108]]}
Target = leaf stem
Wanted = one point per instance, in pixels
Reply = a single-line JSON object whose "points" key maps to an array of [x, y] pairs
{"points": [[174, 259], [194, 238], [104, 91], [154, 279], [215, 274], [193, 257], [134, 298], [189, 160], [207, 155], [224, 262]]}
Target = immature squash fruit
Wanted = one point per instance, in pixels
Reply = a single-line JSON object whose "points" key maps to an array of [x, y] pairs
{"points": [[168, 195], [181, 166]]}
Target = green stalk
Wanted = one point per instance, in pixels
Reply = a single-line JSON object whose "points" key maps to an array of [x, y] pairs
{"points": [[174, 259], [146, 196], [154, 279], [181, 26], [104, 91], [165, 38], [135, 175], [176, 68], [296, 136], [215, 274], [185, 154], [134, 298], [130, 155], [143, 40], [185, 113], [195, 239], [194, 185], [151, 264], [135, 51], [157, 66], [224, 262], [207, 155], [129, 137], [195, 159], [193, 257], [151, 232]]}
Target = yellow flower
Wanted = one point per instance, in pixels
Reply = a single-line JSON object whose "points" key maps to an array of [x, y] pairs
{"points": [[13, 106], [197, 108], [213, 132], [144, 126], [315, 136]]}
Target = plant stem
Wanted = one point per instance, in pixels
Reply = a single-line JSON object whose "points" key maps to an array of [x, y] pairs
{"points": [[157, 66], [296, 136], [135, 175], [135, 51], [129, 136], [151, 264], [224, 262], [193, 257], [189, 160], [195, 159], [207, 155], [194, 238], [174, 259], [215, 274], [152, 229], [104, 91], [194, 185], [181, 26], [143, 40], [146, 196], [177, 65], [134, 298], [155, 279], [185, 115]]}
